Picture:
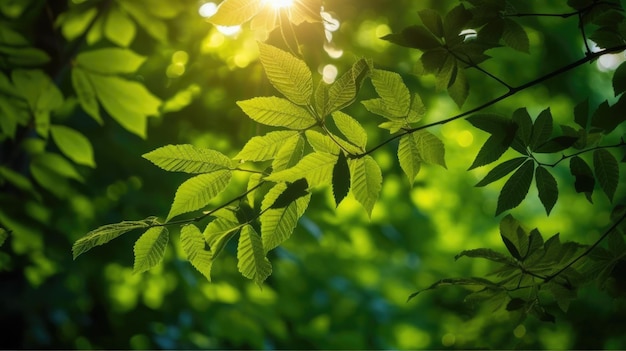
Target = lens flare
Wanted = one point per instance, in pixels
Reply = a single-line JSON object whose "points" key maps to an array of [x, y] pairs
{"points": [[279, 4]]}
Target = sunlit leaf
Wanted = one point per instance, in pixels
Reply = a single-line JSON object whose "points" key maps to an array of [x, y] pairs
{"points": [[277, 224], [252, 262], [547, 188], [235, 12], [118, 28], [289, 154], [188, 158], [274, 111], [150, 248], [198, 191], [366, 180], [106, 233], [289, 75], [86, 94], [73, 144], [321, 142], [515, 188], [607, 171], [351, 129], [343, 91], [218, 233], [110, 60], [316, 167], [196, 249], [393, 91], [291, 193]]}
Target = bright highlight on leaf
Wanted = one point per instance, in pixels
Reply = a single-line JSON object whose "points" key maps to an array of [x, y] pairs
{"points": [[278, 4]]}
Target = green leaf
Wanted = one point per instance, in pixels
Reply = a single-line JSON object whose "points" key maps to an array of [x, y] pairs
{"points": [[351, 129], [146, 19], [150, 248], [417, 37], [218, 233], [182, 98], [513, 236], [524, 130], [73, 144], [516, 188], [129, 103], [432, 20], [86, 94], [262, 148], [118, 28], [106, 233], [391, 88], [316, 167], [277, 224], [278, 112], [110, 61], [56, 164], [515, 36], [542, 129], [547, 188], [343, 91], [557, 144], [501, 170], [41, 93], [291, 193], [198, 191], [289, 154], [515, 304], [585, 182], [459, 88], [409, 156], [491, 123], [252, 262], [607, 171], [472, 281], [235, 12], [4, 234], [196, 249], [493, 148], [454, 22], [366, 180], [581, 113], [188, 158], [486, 254], [289, 75], [341, 178], [619, 79]]}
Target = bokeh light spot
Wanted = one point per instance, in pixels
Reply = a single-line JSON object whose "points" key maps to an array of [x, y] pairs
{"points": [[229, 30], [519, 331], [329, 73], [465, 138], [207, 10]]}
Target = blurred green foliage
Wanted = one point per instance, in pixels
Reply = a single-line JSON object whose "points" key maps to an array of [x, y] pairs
{"points": [[342, 280]]}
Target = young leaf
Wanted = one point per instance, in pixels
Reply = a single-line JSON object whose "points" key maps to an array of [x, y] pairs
{"points": [[110, 60], [188, 158], [86, 94], [106, 233], [73, 144], [196, 249], [341, 179], [196, 192], [149, 248], [289, 75], [619, 79], [252, 262], [516, 188], [235, 12], [277, 112], [542, 129], [351, 129], [607, 171], [501, 170], [218, 233], [315, 167], [393, 91], [547, 188], [585, 181], [262, 148], [366, 180]]}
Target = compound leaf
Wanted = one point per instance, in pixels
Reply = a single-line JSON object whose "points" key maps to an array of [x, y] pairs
{"points": [[516, 187], [501, 170], [607, 171], [547, 188], [195, 193], [289, 75], [106, 233], [188, 158], [366, 180], [252, 262], [277, 112], [150, 248], [196, 249]]}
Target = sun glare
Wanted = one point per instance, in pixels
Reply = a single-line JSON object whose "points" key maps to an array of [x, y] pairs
{"points": [[279, 4]]}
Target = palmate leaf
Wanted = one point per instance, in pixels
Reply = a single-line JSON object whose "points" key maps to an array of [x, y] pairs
{"points": [[351, 129], [262, 148], [73, 144], [493, 148], [417, 37], [366, 180], [150, 248], [432, 20], [196, 249], [188, 158], [316, 167], [277, 112], [106, 233], [196, 192], [501, 170], [607, 171], [252, 262], [516, 188], [289, 75], [458, 87], [547, 188]]}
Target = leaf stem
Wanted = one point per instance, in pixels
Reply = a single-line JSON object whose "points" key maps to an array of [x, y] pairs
{"points": [[565, 157], [482, 70]]}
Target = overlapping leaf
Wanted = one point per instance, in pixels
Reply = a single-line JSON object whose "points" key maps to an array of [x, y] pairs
{"points": [[278, 112], [188, 158], [196, 249], [198, 191], [150, 248], [366, 180], [252, 262]]}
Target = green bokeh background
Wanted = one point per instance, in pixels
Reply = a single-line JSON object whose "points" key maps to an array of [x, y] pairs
{"points": [[342, 280]]}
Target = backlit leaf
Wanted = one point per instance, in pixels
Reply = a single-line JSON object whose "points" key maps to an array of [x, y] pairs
{"points": [[393, 91], [515, 188], [277, 224], [547, 188], [198, 191], [289, 154], [316, 167], [289, 75], [110, 60], [366, 180], [196, 249], [262, 148], [343, 91], [321, 142], [188, 158], [409, 156], [607, 171], [118, 28], [73, 144], [252, 262], [218, 233], [291, 193], [278, 112], [86, 94], [150, 248], [235, 12], [351, 129], [106, 233]]}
